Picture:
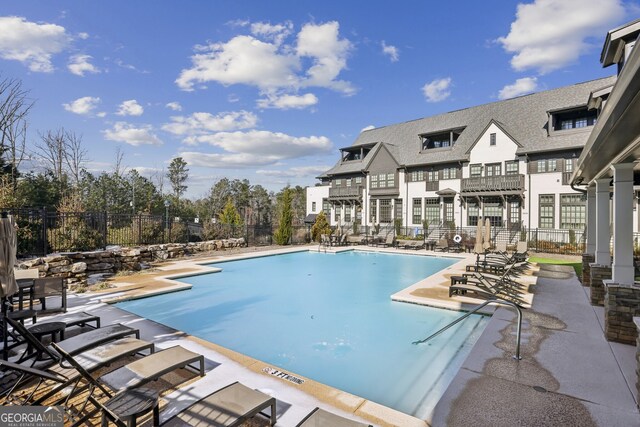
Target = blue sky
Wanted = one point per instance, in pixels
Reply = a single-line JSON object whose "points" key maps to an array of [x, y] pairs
{"points": [[270, 90]]}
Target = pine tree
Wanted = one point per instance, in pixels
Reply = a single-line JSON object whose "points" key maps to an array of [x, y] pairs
{"points": [[230, 215], [284, 231]]}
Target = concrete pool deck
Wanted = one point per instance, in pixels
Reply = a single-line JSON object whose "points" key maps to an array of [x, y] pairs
{"points": [[588, 381]]}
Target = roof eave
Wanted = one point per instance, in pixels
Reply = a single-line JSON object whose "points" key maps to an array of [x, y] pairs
{"points": [[616, 135]]}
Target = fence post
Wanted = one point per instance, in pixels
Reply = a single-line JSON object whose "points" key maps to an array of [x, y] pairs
{"points": [[104, 229], [139, 229], [45, 238]]}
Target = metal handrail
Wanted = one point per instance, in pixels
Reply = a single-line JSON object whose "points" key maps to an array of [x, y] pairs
{"points": [[484, 304]]}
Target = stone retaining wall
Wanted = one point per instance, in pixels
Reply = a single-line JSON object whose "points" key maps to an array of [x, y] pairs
{"points": [[598, 273], [587, 259], [621, 304], [82, 268]]}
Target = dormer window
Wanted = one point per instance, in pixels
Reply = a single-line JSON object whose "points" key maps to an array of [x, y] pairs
{"points": [[444, 139], [355, 153], [573, 119]]}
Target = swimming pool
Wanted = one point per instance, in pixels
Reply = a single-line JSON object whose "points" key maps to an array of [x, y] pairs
{"points": [[328, 317]]}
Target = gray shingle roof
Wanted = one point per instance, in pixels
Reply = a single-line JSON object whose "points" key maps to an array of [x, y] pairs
{"points": [[524, 118]]}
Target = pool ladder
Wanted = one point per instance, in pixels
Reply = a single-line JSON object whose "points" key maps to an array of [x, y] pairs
{"points": [[484, 304]]}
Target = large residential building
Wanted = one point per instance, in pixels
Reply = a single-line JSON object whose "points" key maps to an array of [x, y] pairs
{"points": [[510, 161]]}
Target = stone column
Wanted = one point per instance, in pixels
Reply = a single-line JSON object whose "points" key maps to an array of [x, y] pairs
{"points": [[591, 220], [621, 305], [587, 260], [623, 270], [603, 238]]}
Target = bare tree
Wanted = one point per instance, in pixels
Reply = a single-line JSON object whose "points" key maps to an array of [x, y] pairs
{"points": [[52, 150], [118, 168], [14, 108], [15, 138], [75, 155], [157, 178]]}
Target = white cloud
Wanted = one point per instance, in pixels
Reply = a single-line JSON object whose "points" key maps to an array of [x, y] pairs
{"points": [[132, 134], [391, 51], [295, 172], [31, 43], [265, 61], [269, 144], [206, 123], [241, 60], [255, 148], [550, 34], [286, 102], [519, 87], [79, 64], [83, 36], [276, 32], [367, 128], [322, 43], [130, 108], [437, 90], [82, 106], [175, 106], [226, 161]]}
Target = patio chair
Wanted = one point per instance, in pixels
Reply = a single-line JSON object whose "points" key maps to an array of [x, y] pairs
{"points": [[81, 319], [442, 246], [388, 241], [48, 287], [501, 248], [94, 358], [521, 250], [229, 406], [321, 418], [74, 345], [25, 375], [130, 376]]}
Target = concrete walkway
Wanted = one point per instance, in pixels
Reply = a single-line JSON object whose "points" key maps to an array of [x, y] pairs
{"points": [[569, 374]]}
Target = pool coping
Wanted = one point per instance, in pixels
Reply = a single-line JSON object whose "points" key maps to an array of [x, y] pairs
{"points": [[359, 406]]}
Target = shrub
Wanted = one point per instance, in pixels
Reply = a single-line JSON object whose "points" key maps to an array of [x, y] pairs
{"points": [[283, 233], [397, 225], [74, 236], [179, 233], [320, 226]]}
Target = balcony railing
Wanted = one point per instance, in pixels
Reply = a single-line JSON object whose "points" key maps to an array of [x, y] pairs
{"points": [[353, 192], [496, 184]]}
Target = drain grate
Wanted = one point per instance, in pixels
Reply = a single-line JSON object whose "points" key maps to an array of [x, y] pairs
{"points": [[540, 389]]}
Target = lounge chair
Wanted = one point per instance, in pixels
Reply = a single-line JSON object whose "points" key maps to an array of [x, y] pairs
{"points": [[81, 319], [501, 248], [353, 239], [521, 250], [442, 246], [74, 345], [47, 287], [229, 406], [151, 367], [25, 375], [132, 375], [321, 418], [387, 242]]}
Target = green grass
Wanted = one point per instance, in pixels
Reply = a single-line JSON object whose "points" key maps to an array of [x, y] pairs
{"points": [[577, 266]]}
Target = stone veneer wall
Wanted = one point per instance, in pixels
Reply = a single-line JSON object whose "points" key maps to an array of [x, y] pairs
{"points": [[621, 304], [587, 259], [598, 273], [78, 268]]}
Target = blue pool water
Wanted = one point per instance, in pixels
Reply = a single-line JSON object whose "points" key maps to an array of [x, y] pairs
{"points": [[328, 317]]}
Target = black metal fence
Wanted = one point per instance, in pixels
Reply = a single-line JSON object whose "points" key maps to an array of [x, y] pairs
{"points": [[569, 242], [41, 232]]}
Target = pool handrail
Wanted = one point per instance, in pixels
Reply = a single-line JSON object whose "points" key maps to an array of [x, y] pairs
{"points": [[492, 300]]}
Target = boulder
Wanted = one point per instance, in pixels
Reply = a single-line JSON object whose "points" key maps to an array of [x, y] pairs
{"points": [[79, 267]]}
